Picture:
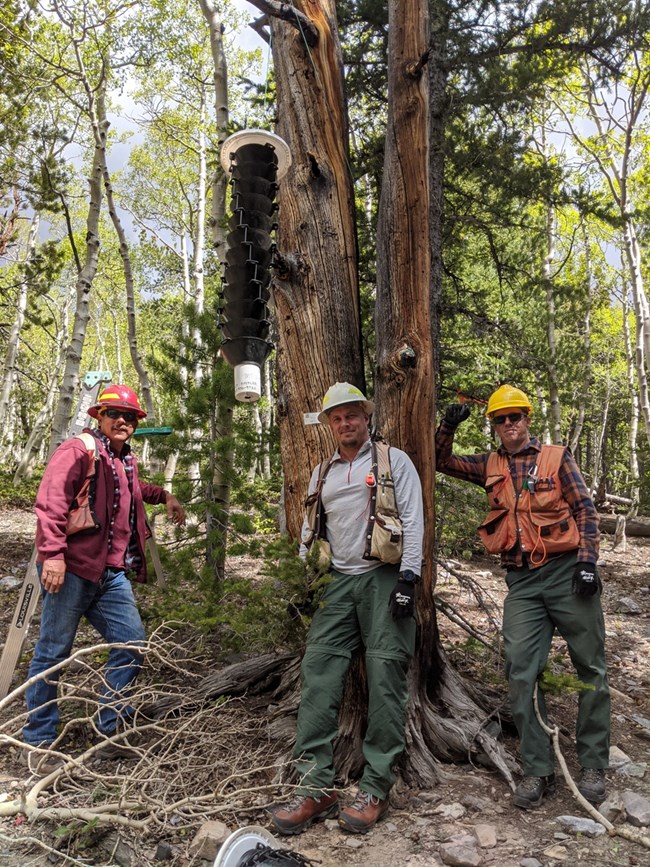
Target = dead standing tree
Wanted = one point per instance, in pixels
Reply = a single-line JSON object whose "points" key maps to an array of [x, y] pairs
{"points": [[443, 721], [315, 287], [316, 298]]}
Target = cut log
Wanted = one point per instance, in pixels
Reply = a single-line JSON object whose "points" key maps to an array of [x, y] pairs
{"points": [[633, 526]]}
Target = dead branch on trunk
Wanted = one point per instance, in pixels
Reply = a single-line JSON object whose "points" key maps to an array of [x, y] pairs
{"points": [[288, 12]]}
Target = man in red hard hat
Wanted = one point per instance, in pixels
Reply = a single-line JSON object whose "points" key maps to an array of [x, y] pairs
{"points": [[543, 523], [84, 573]]}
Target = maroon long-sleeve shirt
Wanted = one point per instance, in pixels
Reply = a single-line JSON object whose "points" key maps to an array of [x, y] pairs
{"points": [[85, 554]]}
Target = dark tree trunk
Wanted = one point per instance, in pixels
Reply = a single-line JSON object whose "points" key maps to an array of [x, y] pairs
{"points": [[317, 309], [315, 288]]}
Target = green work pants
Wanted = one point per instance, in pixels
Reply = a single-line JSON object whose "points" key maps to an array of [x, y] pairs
{"points": [[354, 613], [539, 601]]}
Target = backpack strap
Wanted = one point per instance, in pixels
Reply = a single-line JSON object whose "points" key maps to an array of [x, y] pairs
{"points": [[381, 471], [92, 448], [314, 505]]}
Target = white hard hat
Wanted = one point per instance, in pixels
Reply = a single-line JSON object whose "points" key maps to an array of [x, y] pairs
{"points": [[340, 393]]}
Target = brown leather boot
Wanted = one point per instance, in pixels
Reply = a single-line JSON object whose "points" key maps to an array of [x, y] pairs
{"points": [[299, 814], [363, 814]]}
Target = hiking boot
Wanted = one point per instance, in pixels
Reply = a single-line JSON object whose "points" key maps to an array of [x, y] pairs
{"points": [[112, 751], [592, 785], [363, 814], [297, 815], [112, 747], [40, 761], [531, 790]]}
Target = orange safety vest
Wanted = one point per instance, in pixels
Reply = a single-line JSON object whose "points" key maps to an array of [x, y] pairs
{"points": [[538, 516]]}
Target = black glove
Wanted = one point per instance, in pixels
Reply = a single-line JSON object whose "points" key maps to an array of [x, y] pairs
{"points": [[402, 599], [585, 580], [456, 413]]}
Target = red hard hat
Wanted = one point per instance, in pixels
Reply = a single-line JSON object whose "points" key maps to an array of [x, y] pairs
{"points": [[118, 397]]}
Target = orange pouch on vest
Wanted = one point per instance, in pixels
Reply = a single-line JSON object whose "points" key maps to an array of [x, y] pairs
{"points": [[496, 532]]}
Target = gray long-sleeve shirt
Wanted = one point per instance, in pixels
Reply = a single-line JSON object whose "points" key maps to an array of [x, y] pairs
{"points": [[346, 501]]}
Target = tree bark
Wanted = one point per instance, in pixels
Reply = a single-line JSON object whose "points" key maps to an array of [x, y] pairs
{"points": [[315, 286], [633, 526], [100, 121], [551, 366], [30, 453], [586, 339], [221, 464], [633, 461], [405, 375], [319, 335], [82, 309], [13, 341]]}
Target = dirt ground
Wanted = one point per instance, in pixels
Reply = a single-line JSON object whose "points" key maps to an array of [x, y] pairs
{"points": [[469, 800]]}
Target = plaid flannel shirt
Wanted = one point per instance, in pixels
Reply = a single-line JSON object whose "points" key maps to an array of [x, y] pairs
{"points": [[472, 468]]}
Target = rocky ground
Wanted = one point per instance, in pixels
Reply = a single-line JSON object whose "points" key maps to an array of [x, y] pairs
{"points": [[468, 818]]}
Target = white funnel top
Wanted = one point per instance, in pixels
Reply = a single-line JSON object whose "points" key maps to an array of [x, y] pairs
{"points": [[260, 137]]}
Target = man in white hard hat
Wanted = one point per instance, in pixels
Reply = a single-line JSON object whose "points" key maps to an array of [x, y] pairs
{"points": [[543, 523], [368, 605]]}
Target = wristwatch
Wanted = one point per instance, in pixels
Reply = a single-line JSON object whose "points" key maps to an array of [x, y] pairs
{"points": [[409, 577]]}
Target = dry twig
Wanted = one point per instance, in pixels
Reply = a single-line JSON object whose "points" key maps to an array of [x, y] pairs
{"points": [[554, 734]]}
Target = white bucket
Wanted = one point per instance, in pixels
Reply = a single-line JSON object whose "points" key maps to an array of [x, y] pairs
{"points": [[248, 382]]}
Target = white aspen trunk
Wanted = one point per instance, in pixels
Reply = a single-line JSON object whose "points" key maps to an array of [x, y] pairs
{"points": [[597, 468], [100, 121], [633, 462], [100, 338], [13, 341], [640, 359], [82, 310], [544, 434], [187, 295], [118, 375], [554, 395], [220, 80], [586, 339], [266, 414], [198, 284], [223, 415], [170, 470], [34, 445], [641, 306], [9, 435], [256, 465], [198, 270], [617, 133]]}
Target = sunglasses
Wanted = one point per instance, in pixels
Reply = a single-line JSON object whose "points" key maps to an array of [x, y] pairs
{"points": [[513, 417], [128, 415]]}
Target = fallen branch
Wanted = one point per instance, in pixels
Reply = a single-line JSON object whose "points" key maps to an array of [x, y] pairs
{"points": [[20, 842], [456, 617], [554, 734]]}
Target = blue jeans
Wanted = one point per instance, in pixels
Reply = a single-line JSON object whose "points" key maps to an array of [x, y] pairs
{"points": [[111, 608]]}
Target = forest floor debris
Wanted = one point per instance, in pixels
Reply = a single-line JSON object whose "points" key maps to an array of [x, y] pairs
{"points": [[217, 764]]}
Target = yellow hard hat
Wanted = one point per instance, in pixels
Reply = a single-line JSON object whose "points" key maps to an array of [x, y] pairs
{"points": [[506, 396], [340, 393]]}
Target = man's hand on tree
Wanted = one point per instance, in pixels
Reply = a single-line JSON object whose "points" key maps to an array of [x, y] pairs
{"points": [[456, 413]]}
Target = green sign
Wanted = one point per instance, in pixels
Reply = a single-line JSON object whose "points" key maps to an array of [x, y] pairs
{"points": [[153, 431]]}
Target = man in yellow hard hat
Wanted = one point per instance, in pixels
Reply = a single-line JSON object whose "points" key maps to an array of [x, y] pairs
{"points": [[543, 523], [367, 508]]}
